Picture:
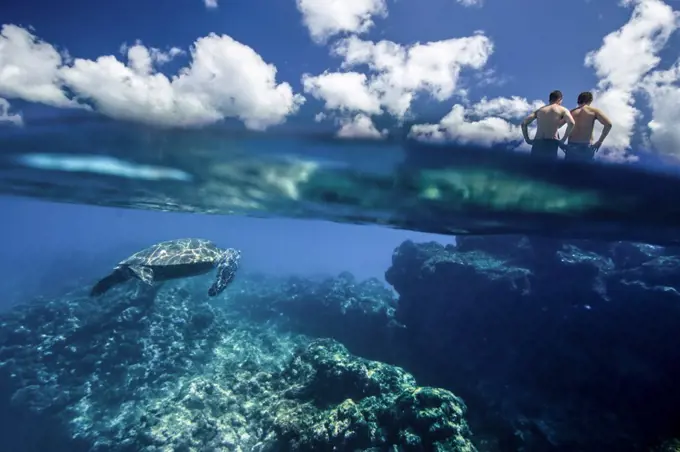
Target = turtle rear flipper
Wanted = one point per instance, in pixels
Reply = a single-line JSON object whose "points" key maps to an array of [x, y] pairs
{"points": [[143, 273], [104, 284], [226, 270]]}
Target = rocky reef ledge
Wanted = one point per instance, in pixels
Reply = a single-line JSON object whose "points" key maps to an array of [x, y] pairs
{"points": [[554, 346], [166, 369]]}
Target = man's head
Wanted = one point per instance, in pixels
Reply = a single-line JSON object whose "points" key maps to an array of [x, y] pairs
{"points": [[585, 98], [556, 97]]}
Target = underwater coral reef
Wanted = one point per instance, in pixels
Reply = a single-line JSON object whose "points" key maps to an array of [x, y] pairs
{"points": [[157, 369], [499, 343]]}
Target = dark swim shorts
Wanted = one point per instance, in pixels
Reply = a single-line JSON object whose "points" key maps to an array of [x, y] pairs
{"points": [[545, 147], [579, 151]]}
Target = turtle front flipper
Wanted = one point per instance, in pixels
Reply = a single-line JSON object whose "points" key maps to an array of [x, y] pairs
{"points": [[145, 274], [226, 270]]}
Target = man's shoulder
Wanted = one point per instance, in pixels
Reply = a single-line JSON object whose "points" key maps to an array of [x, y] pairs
{"points": [[562, 110], [591, 110]]}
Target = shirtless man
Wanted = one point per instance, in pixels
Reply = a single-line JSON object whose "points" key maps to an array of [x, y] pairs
{"points": [[579, 146], [549, 118]]}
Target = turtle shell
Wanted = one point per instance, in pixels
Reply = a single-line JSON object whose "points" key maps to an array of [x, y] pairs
{"points": [[176, 252]]}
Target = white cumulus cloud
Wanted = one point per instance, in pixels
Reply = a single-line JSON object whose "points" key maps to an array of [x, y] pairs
{"points": [[343, 91], [210, 4], [484, 123], [505, 107], [400, 72], [469, 3], [6, 116], [621, 63], [327, 18], [29, 68], [360, 126], [224, 79], [145, 58], [396, 73], [663, 92]]}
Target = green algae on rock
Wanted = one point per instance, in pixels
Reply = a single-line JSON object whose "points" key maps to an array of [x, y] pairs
{"points": [[672, 445], [341, 402]]}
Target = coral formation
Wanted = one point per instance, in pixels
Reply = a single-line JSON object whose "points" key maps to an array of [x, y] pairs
{"points": [[163, 369], [339, 402]]}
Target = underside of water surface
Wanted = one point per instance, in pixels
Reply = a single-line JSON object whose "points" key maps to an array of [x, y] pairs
{"points": [[443, 189]]}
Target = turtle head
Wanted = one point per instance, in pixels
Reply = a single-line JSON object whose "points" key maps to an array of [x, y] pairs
{"points": [[226, 270]]}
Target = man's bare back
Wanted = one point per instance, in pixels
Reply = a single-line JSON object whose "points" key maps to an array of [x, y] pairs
{"points": [[581, 146], [548, 119], [585, 117]]}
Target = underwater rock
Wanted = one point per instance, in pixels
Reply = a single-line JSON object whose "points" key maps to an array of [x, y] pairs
{"points": [[419, 273], [157, 369], [340, 402], [359, 314], [672, 445], [543, 344]]}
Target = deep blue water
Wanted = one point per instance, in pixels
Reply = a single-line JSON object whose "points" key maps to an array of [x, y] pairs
{"points": [[52, 246], [390, 296]]}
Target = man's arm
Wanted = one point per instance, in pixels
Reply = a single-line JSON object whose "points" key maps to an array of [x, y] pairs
{"points": [[563, 121], [525, 124], [569, 119], [604, 120]]}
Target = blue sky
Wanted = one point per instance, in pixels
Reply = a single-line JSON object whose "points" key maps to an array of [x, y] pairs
{"points": [[515, 54]]}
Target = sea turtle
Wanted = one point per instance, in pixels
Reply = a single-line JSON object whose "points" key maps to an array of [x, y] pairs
{"points": [[175, 259]]}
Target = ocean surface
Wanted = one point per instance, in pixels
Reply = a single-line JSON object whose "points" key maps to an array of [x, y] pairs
{"points": [[390, 296]]}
